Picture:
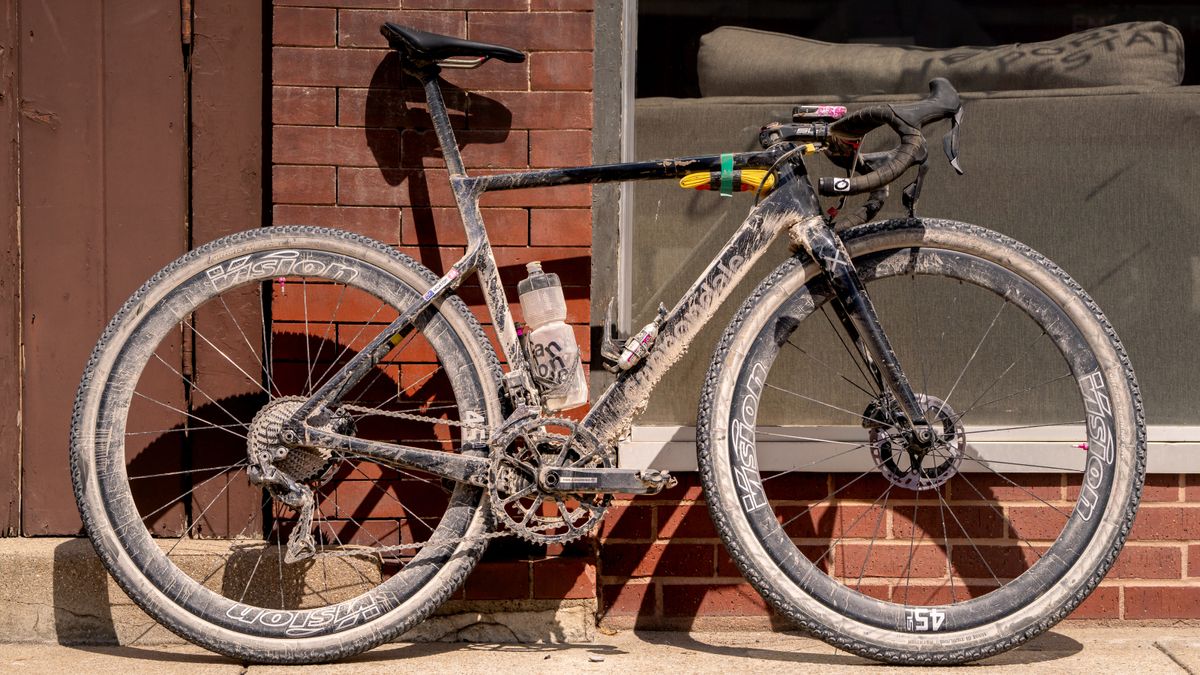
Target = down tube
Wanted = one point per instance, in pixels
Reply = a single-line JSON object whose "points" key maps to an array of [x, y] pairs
{"points": [[612, 415]]}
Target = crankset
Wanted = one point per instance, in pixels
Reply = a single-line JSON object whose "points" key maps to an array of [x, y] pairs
{"points": [[551, 480]]}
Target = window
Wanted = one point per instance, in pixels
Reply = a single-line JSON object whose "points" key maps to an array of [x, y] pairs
{"points": [[1021, 149]]}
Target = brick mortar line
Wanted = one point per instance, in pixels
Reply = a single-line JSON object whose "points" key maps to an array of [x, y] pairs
{"points": [[924, 582], [929, 540], [1145, 505]]}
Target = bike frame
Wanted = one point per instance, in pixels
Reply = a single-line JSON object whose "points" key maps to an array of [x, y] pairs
{"points": [[792, 205]]}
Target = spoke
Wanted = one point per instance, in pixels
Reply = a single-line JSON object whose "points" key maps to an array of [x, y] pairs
{"points": [[1059, 469], [814, 463], [346, 347], [830, 368], [195, 387], [834, 494], [188, 414], [971, 360], [189, 491], [378, 556], [1008, 396], [874, 536], [912, 541], [1022, 352], [227, 358], [761, 432], [224, 562], [187, 471], [827, 405], [946, 544], [268, 336], [325, 335], [307, 337], [178, 430], [1024, 426], [200, 517], [970, 541], [1014, 484], [319, 540], [855, 355], [389, 495], [245, 339], [266, 543], [997, 511], [852, 524], [279, 554], [917, 322]]}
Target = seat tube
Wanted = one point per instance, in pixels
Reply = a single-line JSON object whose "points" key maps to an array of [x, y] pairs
{"points": [[828, 251], [441, 124]]}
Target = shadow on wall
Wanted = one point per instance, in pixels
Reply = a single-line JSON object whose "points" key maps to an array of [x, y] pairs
{"points": [[663, 566], [87, 610], [400, 134]]}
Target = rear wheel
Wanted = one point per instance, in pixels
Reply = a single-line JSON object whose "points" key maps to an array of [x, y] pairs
{"points": [[924, 556], [191, 382]]}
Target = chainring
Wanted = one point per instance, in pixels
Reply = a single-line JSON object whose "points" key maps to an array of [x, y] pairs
{"points": [[528, 512]]}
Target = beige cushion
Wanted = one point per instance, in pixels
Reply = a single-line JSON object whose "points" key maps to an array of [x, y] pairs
{"points": [[745, 62]]}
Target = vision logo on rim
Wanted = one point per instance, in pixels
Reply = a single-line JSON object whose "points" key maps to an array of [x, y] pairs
{"points": [[274, 264], [741, 440]]}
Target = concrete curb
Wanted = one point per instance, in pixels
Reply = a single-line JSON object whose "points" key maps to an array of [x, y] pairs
{"points": [[55, 591]]}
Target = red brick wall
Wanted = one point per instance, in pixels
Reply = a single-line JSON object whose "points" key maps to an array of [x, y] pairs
{"points": [[662, 565], [352, 148]]}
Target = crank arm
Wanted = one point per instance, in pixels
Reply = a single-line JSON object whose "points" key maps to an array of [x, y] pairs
{"points": [[604, 481], [456, 467]]}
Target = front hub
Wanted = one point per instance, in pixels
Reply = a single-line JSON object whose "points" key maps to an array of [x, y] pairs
{"points": [[911, 459]]}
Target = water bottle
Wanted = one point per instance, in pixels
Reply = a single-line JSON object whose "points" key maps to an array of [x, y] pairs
{"points": [[553, 352]]}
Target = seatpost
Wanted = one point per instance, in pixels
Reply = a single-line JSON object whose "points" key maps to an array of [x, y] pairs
{"points": [[441, 123]]}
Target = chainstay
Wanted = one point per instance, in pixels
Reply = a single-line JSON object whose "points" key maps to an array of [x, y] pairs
{"points": [[396, 548]]}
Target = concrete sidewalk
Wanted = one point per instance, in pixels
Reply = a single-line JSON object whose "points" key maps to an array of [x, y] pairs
{"points": [[1070, 648]]}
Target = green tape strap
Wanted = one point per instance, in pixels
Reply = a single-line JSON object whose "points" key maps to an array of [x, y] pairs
{"points": [[727, 175]]}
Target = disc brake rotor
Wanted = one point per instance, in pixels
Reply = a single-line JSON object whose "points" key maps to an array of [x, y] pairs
{"points": [[907, 467]]}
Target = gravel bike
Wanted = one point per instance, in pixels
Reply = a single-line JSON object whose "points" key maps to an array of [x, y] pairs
{"points": [[294, 443]]}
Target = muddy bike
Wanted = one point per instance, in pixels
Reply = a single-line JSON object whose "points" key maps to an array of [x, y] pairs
{"points": [[294, 443]]}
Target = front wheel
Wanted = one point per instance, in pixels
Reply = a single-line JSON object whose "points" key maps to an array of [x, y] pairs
{"points": [[913, 555]]}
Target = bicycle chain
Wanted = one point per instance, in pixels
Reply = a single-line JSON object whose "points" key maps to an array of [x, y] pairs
{"points": [[409, 416]]}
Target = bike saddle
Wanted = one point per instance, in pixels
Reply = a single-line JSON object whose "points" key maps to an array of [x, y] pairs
{"points": [[421, 46]]}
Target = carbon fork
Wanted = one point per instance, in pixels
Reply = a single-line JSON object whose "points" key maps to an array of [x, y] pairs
{"points": [[861, 323]]}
